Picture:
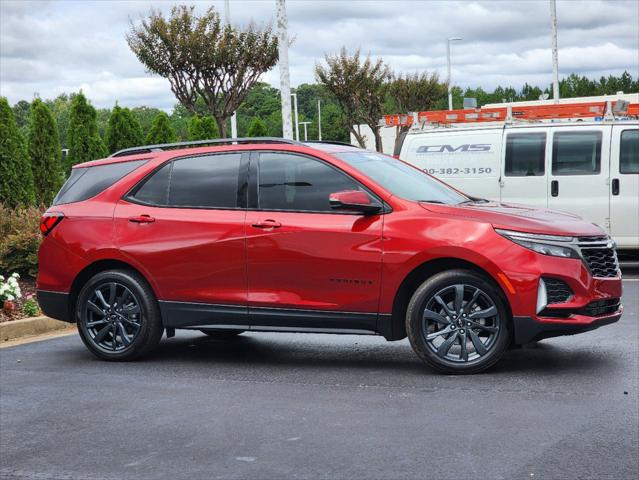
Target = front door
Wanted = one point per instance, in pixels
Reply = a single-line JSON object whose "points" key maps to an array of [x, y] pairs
{"points": [[185, 226], [580, 172], [309, 267], [624, 186]]}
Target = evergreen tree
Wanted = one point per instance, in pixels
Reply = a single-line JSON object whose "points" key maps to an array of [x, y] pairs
{"points": [[123, 130], [161, 130], [257, 128], [16, 179], [208, 128], [195, 128], [45, 153], [85, 143]]}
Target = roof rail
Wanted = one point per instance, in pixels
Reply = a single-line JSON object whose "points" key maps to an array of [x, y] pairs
{"points": [[331, 142], [199, 143]]}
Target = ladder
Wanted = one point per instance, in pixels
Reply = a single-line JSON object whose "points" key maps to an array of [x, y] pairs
{"points": [[607, 110]]}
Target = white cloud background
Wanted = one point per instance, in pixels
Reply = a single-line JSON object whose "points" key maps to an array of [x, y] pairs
{"points": [[50, 47]]}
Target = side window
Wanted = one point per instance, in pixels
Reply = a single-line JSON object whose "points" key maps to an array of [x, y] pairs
{"points": [[155, 190], [294, 182], [629, 152], [576, 153], [87, 182], [206, 182], [525, 154]]}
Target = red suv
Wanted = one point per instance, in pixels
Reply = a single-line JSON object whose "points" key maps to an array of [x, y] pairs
{"points": [[273, 235]]}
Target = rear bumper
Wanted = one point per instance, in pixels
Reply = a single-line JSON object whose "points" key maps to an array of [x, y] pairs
{"points": [[55, 305], [527, 329]]}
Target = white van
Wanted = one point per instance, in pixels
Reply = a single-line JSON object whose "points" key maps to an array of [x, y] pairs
{"points": [[588, 168]]}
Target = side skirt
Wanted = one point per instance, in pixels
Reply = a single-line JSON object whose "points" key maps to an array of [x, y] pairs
{"points": [[229, 317]]}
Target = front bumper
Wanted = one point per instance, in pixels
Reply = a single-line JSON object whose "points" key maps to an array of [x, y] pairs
{"points": [[527, 329], [55, 305]]}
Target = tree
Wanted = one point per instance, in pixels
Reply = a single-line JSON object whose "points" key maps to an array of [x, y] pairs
{"points": [[257, 128], [22, 110], [123, 130], [204, 128], [84, 141], [204, 59], [359, 86], [16, 179], [414, 93], [161, 130], [45, 153]]}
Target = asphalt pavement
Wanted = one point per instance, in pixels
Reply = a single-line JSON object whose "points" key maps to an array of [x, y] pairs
{"points": [[273, 406]]}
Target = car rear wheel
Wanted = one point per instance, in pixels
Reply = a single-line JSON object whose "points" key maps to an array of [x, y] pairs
{"points": [[221, 334], [118, 316], [457, 322]]}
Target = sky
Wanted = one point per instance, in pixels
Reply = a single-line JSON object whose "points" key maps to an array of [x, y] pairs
{"points": [[49, 47]]}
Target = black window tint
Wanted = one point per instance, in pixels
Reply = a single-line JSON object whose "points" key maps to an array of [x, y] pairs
{"points": [[155, 189], [525, 154], [629, 152], [576, 153], [87, 182], [293, 182], [207, 181]]}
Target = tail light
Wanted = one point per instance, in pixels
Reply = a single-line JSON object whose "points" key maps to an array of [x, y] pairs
{"points": [[48, 222]]}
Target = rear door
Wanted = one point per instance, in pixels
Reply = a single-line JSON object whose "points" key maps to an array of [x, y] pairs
{"points": [[309, 267], [524, 170], [579, 175], [624, 188], [185, 226]]}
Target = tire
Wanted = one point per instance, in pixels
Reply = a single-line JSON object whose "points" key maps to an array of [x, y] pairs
{"points": [[437, 323], [221, 334], [136, 321]]}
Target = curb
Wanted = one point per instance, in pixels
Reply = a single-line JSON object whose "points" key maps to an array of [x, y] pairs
{"points": [[15, 329]]}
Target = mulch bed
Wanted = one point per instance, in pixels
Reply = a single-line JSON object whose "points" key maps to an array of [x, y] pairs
{"points": [[27, 286]]}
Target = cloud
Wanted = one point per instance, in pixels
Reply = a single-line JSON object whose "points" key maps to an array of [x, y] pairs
{"points": [[50, 47]]}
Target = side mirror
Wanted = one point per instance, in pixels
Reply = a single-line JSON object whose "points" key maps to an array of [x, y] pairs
{"points": [[355, 201]]}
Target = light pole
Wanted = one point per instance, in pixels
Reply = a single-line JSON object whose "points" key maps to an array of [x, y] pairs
{"points": [[297, 118], [450, 91], [227, 17], [555, 56], [285, 79], [305, 131], [319, 120]]}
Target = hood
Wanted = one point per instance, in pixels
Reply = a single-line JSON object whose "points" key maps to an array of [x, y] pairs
{"points": [[520, 217]]}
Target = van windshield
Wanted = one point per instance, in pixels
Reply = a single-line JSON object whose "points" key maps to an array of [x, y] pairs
{"points": [[401, 179]]}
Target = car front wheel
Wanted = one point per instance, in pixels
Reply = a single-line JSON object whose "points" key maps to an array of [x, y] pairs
{"points": [[457, 322]]}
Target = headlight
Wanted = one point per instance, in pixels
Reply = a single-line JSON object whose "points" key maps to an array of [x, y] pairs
{"points": [[544, 244]]}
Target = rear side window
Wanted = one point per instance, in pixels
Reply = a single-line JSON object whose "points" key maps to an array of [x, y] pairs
{"points": [[155, 190], [87, 182], [576, 153], [629, 152], [525, 154]]}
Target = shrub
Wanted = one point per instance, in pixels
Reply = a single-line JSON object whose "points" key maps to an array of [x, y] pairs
{"points": [[19, 240], [161, 130], [30, 308]]}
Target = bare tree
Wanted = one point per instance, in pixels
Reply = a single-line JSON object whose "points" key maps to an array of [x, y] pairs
{"points": [[359, 86], [415, 92], [203, 58]]}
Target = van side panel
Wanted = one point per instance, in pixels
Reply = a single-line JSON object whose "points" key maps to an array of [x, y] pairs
{"points": [[468, 160], [624, 191]]}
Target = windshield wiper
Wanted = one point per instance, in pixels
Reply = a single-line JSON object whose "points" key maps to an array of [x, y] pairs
{"points": [[474, 200], [431, 201]]}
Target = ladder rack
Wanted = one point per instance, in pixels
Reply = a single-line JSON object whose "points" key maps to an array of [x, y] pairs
{"points": [[563, 111]]}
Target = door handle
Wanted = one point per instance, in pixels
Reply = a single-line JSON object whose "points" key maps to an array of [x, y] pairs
{"points": [[615, 186], [554, 188], [142, 219], [267, 224]]}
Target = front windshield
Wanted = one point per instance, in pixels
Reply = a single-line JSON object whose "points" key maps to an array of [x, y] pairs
{"points": [[401, 179]]}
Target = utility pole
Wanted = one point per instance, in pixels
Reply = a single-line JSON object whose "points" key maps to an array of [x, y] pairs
{"points": [[319, 120], [227, 18], [297, 117], [285, 79], [450, 86], [555, 55], [305, 131]]}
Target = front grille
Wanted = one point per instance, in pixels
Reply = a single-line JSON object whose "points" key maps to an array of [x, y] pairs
{"points": [[602, 262], [557, 291], [600, 307], [592, 239]]}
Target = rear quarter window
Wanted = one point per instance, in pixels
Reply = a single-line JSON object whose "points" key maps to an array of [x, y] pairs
{"points": [[87, 182]]}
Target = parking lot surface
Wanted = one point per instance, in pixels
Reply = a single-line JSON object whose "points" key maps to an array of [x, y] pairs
{"points": [[321, 406]]}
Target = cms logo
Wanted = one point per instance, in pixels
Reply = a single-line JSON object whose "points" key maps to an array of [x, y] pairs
{"points": [[469, 147]]}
